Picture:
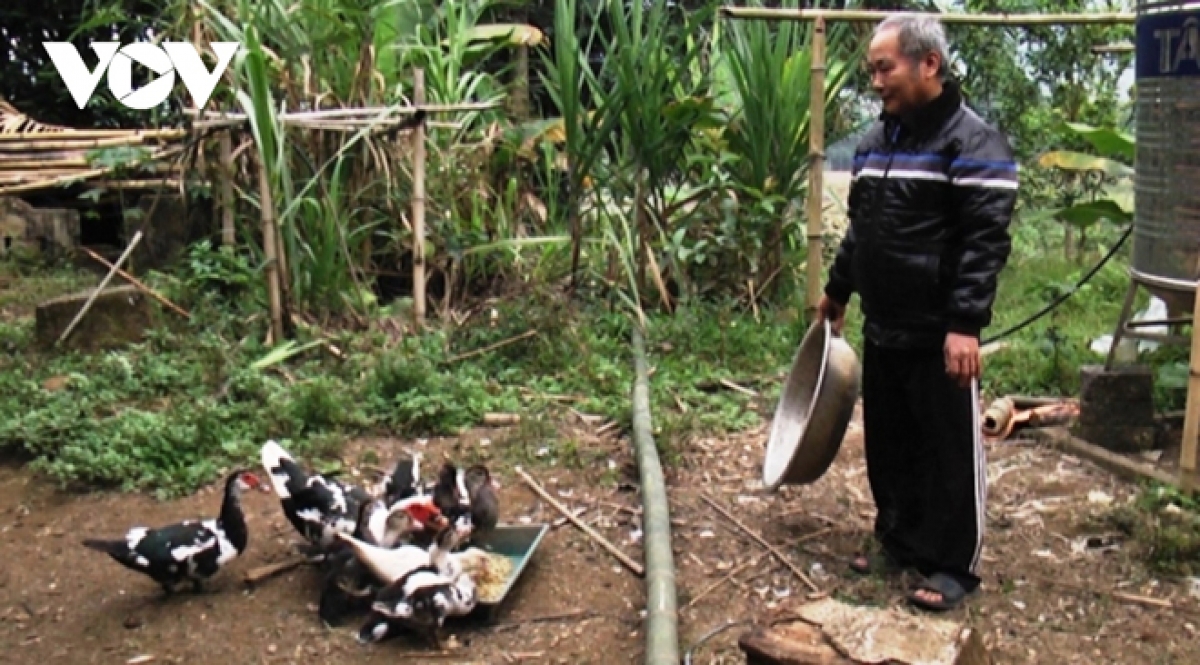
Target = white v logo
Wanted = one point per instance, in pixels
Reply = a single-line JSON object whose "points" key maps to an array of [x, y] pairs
{"points": [[79, 81]]}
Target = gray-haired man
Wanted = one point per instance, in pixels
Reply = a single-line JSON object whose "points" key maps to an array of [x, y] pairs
{"points": [[933, 192]]}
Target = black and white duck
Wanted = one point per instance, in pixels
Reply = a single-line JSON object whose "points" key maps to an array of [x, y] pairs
{"points": [[191, 550], [404, 481], [349, 584], [419, 601], [318, 506]]}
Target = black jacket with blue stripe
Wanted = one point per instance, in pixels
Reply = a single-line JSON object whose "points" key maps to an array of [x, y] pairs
{"points": [[930, 203]]}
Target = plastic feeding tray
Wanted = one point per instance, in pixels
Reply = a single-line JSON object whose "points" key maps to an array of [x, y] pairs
{"points": [[517, 542]]}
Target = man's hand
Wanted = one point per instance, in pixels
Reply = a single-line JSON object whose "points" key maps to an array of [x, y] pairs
{"points": [[962, 358], [832, 311]]}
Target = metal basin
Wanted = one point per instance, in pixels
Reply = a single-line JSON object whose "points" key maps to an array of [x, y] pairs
{"points": [[814, 409]]}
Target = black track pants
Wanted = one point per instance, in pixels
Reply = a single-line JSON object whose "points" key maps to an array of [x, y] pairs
{"points": [[925, 461]]}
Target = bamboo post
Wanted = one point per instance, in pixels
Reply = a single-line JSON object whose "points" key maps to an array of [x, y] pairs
{"points": [[225, 174], [520, 100], [418, 203], [816, 166], [1191, 419], [270, 246]]}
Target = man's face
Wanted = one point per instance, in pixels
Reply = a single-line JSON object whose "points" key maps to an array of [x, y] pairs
{"points": [[902, 84]]}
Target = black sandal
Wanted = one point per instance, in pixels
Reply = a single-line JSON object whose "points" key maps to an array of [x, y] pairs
{"points": [[951, 591]]}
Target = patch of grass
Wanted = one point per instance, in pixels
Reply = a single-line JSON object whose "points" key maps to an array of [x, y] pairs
{"points": [[174, 411], [1164, 524]]}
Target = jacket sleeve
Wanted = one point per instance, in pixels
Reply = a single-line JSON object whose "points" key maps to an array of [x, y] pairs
{"points": [[840, 285], [984, 180]]}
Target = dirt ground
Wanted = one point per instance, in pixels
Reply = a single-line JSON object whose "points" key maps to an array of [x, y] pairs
{"points": [[61, 603]]}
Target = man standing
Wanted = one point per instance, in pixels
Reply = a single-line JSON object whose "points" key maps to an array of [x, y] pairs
{"points": [[932, 194]]}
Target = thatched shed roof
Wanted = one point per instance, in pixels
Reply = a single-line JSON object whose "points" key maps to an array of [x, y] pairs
{"points": [[35, 156]]}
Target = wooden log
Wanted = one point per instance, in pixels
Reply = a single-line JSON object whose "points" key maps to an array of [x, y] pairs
{"points": [[830, 632]]}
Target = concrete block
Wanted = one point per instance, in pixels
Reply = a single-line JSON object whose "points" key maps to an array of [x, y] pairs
{"points": [[120, 315], [1116, 407], [41, 230]]}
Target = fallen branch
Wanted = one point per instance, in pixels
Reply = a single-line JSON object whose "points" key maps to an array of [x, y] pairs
{"points": [[138, 284], [491, 347], [601, 540], [256, 575], [759, 539]]}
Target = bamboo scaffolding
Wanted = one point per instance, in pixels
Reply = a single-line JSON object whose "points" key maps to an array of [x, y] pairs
{"points": [[87, 174], [371, 111], [97, 134], [874, 16]]}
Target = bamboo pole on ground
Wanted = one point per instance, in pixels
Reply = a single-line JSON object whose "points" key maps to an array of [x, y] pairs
{"points": [[874, 16], [418, 203], [816, 169], [269, 248], [225, 189]]}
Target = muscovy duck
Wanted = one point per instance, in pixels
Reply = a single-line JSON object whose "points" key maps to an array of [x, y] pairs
{"points": [[481, 492], [419, 601], [192, 550], [405, 480], [349, 585], [317, 506]]}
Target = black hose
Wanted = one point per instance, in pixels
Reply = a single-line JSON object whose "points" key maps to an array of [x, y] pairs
{"points": [[1063, 297]]}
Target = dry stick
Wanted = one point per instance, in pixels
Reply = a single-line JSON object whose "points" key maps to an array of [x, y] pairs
{"points": [[1160, 603], [256, 575], [491, 347], [759, 539], [713, 587], [621, 556], [137, 237], [516, 623], [138, 283]]}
